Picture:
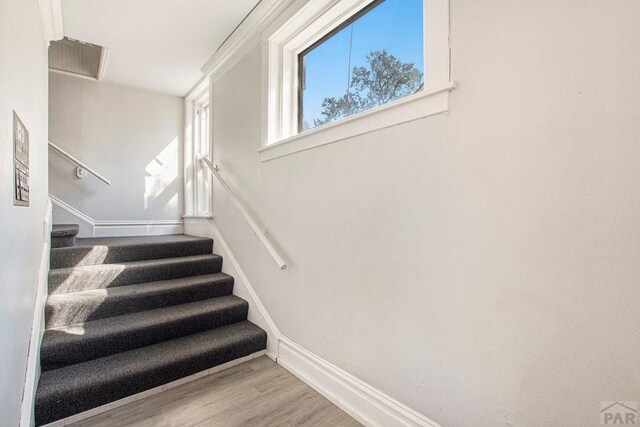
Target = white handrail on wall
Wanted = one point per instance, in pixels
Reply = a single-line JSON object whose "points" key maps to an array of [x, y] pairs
{"points": [[254, 225], [81, 166]]}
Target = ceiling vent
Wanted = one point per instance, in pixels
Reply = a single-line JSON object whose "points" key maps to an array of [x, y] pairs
{"points": [[69, 56]]}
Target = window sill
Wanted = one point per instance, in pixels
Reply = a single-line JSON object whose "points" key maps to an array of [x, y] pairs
{"points": [[430, 101]]}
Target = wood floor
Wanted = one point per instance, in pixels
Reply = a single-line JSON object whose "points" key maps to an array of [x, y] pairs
{"points": [[256, 393]]}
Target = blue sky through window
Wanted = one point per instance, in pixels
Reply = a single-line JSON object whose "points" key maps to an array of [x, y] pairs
{"points": [[394, 25]]}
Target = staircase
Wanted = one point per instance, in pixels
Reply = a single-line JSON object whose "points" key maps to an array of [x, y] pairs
{"points": [[127, 314]]}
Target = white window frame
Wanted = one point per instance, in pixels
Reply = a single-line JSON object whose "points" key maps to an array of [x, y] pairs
{"points": [[198, 181], [304, 24]]}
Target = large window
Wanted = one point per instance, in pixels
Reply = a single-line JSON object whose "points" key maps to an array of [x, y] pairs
{"points": [[372, 59], [337, 69]]}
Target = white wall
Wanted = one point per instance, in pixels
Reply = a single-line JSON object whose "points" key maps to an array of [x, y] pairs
{"points": [[132, 137], [23, 88], [479, 266]]}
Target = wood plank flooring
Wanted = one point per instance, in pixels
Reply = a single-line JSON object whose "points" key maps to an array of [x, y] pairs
{"points": [[256, 393]]}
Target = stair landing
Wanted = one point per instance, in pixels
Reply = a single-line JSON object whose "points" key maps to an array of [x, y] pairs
{"points": [[64, 235]]}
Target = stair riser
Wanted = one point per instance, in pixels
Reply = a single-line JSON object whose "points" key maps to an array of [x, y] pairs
{"points": [[61, 405], [82, 255], [63, 241], [60, 313], [66, 353], [101, 277]]}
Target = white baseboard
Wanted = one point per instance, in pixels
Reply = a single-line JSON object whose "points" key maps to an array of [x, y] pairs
{"points": [[38, 326], [90, 227], [147, 393], [137, 228], [362, 401], [67, 214]]}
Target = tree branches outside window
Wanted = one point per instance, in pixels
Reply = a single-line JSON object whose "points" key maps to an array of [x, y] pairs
{"points": [[382, 80]]}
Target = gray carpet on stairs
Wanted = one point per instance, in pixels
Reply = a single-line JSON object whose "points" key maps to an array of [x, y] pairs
{"points": [[128, 273], [109, 250], [77, 388], [91, 340], [64, 235], [77, 307], [128, 314]]}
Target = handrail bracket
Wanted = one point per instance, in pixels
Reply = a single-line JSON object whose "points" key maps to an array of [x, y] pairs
{"points": [[82, 168]]}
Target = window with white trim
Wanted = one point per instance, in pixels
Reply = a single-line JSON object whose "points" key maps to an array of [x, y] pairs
{"points": [[336, 69], [197, 145], [203, 178], [372, 59]]}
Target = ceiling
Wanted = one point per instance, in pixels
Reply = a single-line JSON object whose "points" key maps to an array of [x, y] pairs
{"points": [[156, 45]]}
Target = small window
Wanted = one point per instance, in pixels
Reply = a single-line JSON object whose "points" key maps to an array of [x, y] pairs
{"points": [[202, 149], [375, 57], [197, 146]]}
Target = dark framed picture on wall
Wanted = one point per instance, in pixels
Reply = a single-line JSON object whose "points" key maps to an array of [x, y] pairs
{"points": [[21, 162]]}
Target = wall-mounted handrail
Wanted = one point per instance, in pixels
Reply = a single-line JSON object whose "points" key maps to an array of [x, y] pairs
{"points": [[247, 216], [79, 163]]}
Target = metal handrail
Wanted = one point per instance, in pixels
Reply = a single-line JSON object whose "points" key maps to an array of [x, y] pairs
{"points": [[81, 166], [247, 216]]}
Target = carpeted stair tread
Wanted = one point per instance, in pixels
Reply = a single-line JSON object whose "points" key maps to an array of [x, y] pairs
{"points": [[99, 338], [64, 230], [77, 388], [73, 279], [64, 235], [76, 307], [108, 250]]}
